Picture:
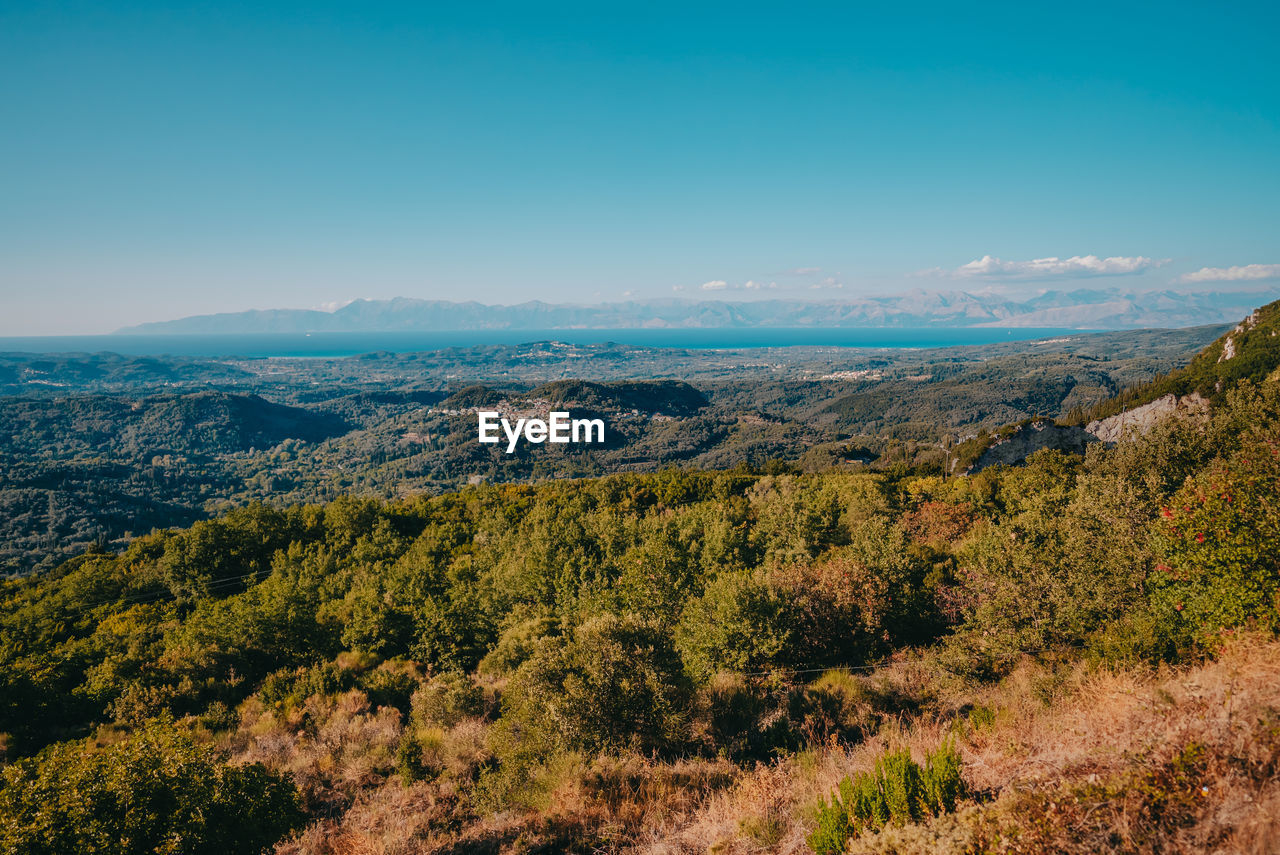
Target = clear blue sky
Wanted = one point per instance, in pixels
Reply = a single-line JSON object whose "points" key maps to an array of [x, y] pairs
{"points": [[160, 160]]}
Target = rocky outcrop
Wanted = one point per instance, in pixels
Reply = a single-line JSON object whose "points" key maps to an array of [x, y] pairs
{"points": [[1229, 345], [1140, 419], [1017, 446], [1030, 438]]}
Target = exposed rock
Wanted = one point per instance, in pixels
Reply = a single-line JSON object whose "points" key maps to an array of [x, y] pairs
{"points": [[1030, 438], [1140, 419], [1228, 349], [1229, 346]]}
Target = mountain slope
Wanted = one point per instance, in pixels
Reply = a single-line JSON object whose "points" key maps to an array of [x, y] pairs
{"points": [[1248, 352]]}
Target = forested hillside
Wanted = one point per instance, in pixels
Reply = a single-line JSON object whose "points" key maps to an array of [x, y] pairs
{"points": [[729, 661]]}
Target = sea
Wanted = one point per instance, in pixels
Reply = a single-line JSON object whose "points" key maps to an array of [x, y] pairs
{"points": [[341, 344]]}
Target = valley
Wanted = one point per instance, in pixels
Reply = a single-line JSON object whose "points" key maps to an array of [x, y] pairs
{"points": [[101, 448]]}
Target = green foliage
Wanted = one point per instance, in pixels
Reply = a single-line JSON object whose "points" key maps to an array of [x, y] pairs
{"points": [[516, 644], [288, 688], [941, 779], [1254, 344], [1218, 547], [740, 623], [391, 684], [897, 790], [99, 448], [833, 828], [660, 613], [446, 700], [155, 792], [1048, 571], [858, 599], [616, 683]]}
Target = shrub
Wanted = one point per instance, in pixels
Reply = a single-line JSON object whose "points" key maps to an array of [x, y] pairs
{"points": [[738, 624], [941, 779], [447, 699], [749, 718], [834, 828], [858, 598], [896, 791], [617, 685], [155, 792], [1218, 543], [289, 688], [391, 684], [516, 644], [838, 705]]}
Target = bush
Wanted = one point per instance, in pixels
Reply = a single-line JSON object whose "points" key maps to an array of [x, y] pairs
{"points": [[837, 704], [749, 718], [155, 792], [738, 624], [516, 644], [898, 790], [391, 684], [616, 685], [290, 688], [1218, 543], [446, 700], [941, 779], [858, 599]]}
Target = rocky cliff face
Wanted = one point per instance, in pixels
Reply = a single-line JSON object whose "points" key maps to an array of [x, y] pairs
{"points": [[1029, 439], [1073, 439], [1140, 419]]}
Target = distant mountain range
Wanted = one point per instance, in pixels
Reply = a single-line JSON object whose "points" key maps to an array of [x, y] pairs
{"points": [[1075, 309]]}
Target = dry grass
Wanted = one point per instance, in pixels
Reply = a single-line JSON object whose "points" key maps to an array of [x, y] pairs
{"points": [[335, 748], [1125, 727], [389, 820], [1075, 761]]}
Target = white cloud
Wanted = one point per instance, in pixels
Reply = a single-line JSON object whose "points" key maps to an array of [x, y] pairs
{"points": [[1077, 266], [804, 271], [677, 287], [749, 285], [1244, 273], [335, 305], [827, 282]]}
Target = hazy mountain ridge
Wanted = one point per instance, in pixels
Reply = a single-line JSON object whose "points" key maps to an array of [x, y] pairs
{"points": [[1080, 308]]}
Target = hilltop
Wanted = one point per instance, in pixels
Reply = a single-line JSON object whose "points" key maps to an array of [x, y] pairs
{"points": [[1249, 351]]}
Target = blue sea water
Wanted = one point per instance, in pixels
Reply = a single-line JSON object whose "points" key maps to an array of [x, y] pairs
{"points": [[333, 344]]}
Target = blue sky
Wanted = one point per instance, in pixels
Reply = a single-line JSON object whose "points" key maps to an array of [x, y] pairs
{"points": [[170, 159]]}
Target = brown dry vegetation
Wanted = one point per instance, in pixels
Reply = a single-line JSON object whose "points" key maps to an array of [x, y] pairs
{"points": [[1075, 760]]}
